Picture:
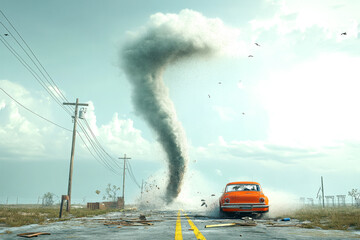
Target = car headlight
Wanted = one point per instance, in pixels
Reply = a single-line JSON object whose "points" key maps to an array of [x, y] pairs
{"points": [[262, 200], [227, 200]]}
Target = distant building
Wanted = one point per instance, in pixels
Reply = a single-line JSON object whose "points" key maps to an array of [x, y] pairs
{"points": [[119, 204]]}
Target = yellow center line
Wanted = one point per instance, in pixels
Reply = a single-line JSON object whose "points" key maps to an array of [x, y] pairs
{"points": [[178, 234], [197, 233]]}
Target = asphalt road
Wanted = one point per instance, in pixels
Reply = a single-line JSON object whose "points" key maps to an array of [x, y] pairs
{"points": [[173, 225]]}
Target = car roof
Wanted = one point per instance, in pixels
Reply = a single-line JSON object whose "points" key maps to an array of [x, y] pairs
{"points": [[243, 182]]}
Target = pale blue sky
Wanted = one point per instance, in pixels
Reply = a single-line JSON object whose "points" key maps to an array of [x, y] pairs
{"points": [[284, 117]]}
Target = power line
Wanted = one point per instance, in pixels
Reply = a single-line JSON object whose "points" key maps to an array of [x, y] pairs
{"points": [[96, 150], [32, 72], [32, 52], [98, 143], [102, 160], [99, 161], [132, 176], [47, 82], [33, 111], [29, 68]]}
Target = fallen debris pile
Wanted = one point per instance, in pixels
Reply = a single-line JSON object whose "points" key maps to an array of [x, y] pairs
{"points": [[131, 222]]}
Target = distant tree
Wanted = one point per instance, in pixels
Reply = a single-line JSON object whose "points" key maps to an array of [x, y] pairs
{"points": [[111, 192], [355, 194], [48, 199]]}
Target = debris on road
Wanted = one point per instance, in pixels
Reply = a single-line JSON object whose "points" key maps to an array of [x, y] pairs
{"points": [[220, 225], [247, 219], [284, 225], [131, 222], [285, 219], [280, 224], [248, 224], [32, 234]]}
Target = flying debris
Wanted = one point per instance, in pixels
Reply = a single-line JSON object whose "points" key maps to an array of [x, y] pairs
{"points": [[243, 113], [6, 34], [204, 204], [213, 195], [219, 82], [257, 44], [209, 95], [250, 56], [344, 33]]}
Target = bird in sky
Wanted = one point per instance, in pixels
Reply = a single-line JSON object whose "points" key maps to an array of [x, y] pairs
{"points": [[250, 56], [257, 44], [344, 33]]}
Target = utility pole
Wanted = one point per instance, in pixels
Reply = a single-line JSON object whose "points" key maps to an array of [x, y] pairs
{"points": [[322, 190], [72, 150], [123, 189]]}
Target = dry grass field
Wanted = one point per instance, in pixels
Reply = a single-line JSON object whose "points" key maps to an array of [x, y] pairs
{"points": [[19, 216], [339, 218]]}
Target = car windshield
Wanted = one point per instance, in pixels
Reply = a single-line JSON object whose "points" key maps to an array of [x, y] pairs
{"points": [[242, 187]]}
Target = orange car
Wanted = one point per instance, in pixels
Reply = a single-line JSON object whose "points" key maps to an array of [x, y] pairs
{"points": [[244, 198]]}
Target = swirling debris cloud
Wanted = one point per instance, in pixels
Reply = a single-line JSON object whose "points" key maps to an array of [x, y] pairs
{"points": [[165, 39]]}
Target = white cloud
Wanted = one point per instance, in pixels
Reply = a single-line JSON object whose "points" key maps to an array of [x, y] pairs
{"points": [[225, 113], [314, 103], [240, 85], [20, 133], [338, 157], [119, 136], [333, 16], [26, 136], [2, 104]]}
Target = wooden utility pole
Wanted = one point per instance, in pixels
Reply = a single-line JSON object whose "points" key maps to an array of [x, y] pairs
{"points": [[72, 150], [123, 189], [322, 190]]}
